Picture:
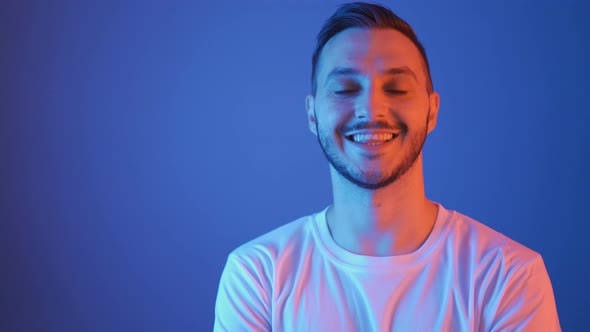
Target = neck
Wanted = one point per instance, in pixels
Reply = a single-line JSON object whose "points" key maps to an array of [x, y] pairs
{"points": [[393, 220]]}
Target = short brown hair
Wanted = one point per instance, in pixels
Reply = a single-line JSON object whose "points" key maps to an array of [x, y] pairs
{"points": [[364, 15]]}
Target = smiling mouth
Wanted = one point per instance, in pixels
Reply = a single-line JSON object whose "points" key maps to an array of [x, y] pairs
{"points": [[371, 138]]}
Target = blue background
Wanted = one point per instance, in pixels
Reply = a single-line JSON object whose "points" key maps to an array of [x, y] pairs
{"points": [[140, 142]]}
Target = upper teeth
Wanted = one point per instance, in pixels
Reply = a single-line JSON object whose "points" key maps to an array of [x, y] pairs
{"points": [[371, 138]]}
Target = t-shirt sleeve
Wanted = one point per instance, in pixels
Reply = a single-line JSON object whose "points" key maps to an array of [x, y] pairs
{"points": [[243, 297], [526, 303]]}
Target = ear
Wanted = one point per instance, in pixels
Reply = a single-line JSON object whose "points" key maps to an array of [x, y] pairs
{"points": [[311, 120], [434, 103]]}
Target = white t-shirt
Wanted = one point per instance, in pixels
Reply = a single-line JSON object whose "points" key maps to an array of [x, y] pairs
{"points": [[465, 277]]}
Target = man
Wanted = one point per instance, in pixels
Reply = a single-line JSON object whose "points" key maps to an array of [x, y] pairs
{"points": [[382, 257]]}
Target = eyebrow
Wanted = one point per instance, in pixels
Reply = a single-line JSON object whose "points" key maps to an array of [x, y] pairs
{"points": [[345, 71]]}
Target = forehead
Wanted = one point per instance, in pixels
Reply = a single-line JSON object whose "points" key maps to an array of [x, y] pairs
{"points": [[370, 51]]}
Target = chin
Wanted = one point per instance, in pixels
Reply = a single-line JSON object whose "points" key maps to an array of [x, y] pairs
{"points": [[371, 181]]}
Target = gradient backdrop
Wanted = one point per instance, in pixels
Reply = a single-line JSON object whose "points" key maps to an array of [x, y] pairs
{"points": [[141, 141]]}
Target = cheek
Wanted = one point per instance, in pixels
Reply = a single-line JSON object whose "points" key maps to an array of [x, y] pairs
{"points": [[332, 115], [329, 126], [411, 112]]}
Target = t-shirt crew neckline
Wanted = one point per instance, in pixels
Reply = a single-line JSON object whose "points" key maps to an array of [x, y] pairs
{"points": [[340, 255]]}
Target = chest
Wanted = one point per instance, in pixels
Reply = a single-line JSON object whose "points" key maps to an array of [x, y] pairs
{"points": [[322, 296]]}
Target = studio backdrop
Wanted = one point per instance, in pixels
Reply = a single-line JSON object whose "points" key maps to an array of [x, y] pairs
{"points": [[141, 142]]}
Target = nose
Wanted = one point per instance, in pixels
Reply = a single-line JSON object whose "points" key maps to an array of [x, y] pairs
{"points": [[371, 105]]}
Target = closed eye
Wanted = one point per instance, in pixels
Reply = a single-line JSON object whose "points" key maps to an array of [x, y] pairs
{"points": [[396, 92], [346, 92]]}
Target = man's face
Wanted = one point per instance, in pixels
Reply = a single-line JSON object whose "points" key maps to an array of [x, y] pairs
{"points": [[371, 111]]}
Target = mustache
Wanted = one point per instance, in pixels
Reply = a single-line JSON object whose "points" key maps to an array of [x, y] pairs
{"points": [[372, 125]]}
